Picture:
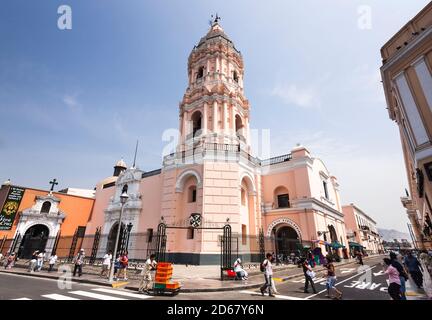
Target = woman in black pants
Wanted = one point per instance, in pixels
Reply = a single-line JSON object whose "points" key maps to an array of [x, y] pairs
{"points": [[308, 279]]}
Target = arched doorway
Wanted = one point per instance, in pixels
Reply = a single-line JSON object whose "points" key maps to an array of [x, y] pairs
{"points": [[287, 241], [333, 235], [112, 237], [35, 238]]}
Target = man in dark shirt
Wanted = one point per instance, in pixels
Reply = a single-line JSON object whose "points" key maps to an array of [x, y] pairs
{"points": [[402, 274], [414, 267]]}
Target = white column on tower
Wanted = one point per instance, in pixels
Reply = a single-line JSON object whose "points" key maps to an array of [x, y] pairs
{"points": [[225, 117], [204, 119], [215, 117], [184, 127], [233, 119], [247, 134]]}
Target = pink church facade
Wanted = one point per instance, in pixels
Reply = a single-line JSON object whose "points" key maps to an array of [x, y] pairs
{"points": [[292, 198]]}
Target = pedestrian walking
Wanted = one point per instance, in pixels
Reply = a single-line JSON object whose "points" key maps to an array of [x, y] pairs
{"points": [[394, 280], [149, 266], [124, 263], [360, 257], [10, 261], [403, 275], [117, 266], [309, 275], [33, 261], [267, 268], [415, 269], [106, 264], [331, 280], [40, 260], [52, 261], [240, 272], [79, 261]]}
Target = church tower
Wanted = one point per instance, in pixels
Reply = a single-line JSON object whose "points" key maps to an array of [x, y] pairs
{"points": [[214, 108]]}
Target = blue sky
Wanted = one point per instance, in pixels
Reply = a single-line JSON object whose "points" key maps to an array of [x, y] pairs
{"points": [[73, 102]]}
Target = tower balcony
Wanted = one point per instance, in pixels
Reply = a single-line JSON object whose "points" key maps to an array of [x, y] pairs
{"points": [[219, 152]]}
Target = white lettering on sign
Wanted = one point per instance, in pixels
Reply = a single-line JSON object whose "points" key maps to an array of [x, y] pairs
{"points": [[353, 284], [373, 286], [347, 270], [363, 285]]}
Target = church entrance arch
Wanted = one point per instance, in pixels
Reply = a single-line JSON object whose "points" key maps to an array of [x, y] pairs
{"points": [[287, 241], [35, 238], [112, 238]]}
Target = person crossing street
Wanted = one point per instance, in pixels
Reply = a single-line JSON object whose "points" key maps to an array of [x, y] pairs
{"points": [[267, 268], [146, 279], [79, 261]]}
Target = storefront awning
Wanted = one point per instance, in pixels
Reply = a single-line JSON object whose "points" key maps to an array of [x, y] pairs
{"points": [[336, 245], [355, 244]]}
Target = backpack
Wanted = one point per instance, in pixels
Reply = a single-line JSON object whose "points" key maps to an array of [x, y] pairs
{"points": [[262, 266]]}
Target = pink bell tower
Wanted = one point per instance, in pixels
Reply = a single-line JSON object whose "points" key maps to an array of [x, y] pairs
{"points": [[214, 108]]}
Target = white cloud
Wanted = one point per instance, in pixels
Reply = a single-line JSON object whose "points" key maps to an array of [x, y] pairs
{"points": [[292, 94], [72, 102]]}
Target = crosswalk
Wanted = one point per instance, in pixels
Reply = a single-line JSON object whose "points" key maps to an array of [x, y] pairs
{"points": [[94, 293]]}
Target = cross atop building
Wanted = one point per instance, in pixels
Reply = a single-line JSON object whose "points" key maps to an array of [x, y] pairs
{"points": [[53, 183]]}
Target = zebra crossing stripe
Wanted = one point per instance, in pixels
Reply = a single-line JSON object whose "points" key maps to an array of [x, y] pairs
{"points": [[95, 295], [22, 299], [122, 293], [56, 296]]}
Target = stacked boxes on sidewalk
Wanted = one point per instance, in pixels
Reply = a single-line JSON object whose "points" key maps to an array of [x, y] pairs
{"points": [[163, 277]]}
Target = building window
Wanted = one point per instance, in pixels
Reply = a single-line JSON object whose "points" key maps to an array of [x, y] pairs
{"points": [[196, 123], [149, 235], [411, 111], [190, 233], [283, 201], [235, 76], [192, 194], [200, 73], [46, 206], [325, 190], [244, 242]]}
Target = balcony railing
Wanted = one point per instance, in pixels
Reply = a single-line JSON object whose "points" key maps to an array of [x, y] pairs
{"points": [[278, 159], [231, 150]]}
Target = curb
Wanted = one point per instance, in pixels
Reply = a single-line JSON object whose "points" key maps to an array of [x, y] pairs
{"points": [[190, 290]]}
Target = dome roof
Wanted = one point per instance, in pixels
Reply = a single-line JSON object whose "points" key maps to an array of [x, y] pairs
{"points": [[216, 32], [121, 164]]}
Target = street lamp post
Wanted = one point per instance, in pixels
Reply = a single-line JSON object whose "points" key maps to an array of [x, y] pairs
{"points": [[123, 198]]}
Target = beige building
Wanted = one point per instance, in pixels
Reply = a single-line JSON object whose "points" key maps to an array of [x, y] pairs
{"points": [[407, 80], [361, 229]]}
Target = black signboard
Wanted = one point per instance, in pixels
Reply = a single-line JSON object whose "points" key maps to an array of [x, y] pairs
{"points": [[10, 208]]}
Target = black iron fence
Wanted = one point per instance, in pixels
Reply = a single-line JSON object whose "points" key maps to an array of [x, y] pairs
{"points": [[251, 249]]}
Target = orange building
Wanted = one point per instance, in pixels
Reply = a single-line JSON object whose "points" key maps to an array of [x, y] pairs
{"points": [[33, 219]]}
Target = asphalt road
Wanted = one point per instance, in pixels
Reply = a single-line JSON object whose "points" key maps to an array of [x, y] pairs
{"points": [[356, 282]]}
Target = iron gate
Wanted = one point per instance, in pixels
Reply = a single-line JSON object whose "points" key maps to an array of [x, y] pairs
{"points": [[159, 248]]}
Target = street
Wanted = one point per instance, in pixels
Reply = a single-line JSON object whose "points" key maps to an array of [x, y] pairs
{"points": [[366, 282]]}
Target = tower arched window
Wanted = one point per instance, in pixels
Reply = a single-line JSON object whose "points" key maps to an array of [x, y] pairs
{"points": [[46, 206], [200, 73], [239, 127], [235, 76], [192, 196], [281, 197], [196, 123]]}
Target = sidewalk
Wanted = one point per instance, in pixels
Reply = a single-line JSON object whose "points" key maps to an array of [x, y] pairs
{"points": [[192, 278]]}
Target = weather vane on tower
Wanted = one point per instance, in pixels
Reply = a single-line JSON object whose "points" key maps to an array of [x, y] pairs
{"points": [[215, 20]]}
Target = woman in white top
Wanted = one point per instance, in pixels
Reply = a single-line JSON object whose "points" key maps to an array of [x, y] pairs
{"points": [[52, 262], [238, 269], [106, 264]]}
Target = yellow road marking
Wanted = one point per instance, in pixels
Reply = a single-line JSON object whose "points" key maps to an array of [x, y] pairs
{"points": [[119, 284]]}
